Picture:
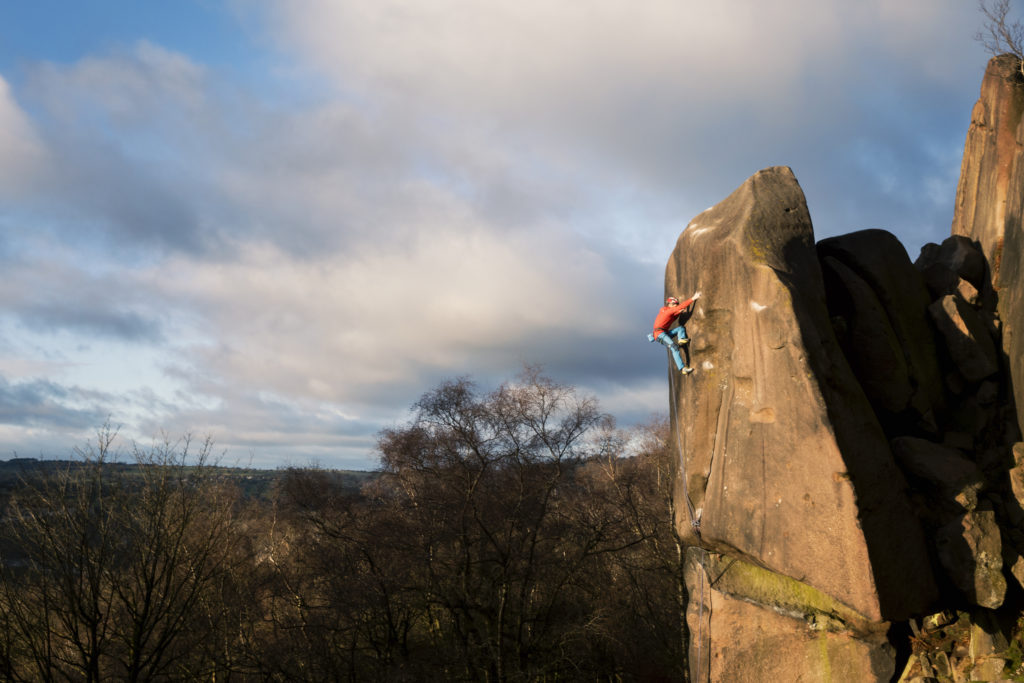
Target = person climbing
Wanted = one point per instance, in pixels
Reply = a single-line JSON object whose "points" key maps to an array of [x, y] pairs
{"points": [[671, 335]]}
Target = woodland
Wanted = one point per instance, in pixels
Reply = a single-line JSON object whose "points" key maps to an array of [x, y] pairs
{"points": [[508, 535]]}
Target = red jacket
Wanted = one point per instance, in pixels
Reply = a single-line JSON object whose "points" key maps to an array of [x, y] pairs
{"points": [[668, 314]]}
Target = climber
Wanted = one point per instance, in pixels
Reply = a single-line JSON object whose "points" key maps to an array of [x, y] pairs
{"points": [[667, 334]]}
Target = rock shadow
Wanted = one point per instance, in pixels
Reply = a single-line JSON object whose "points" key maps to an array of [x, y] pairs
{"points": [[955, 449]]}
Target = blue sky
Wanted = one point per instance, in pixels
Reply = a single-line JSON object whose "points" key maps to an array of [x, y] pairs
{"points": [[279, 223]]}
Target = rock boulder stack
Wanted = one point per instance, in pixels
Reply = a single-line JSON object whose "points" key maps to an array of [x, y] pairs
{"points": [[848, 445]]}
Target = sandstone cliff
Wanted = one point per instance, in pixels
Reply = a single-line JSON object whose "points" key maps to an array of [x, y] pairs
{"points": [[848, 444], [990, 204]]}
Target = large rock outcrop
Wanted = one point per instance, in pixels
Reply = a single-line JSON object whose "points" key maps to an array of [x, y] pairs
{"points": [[989, 208], [849, 446], [990, 154], [785, 462], [881, 301]]}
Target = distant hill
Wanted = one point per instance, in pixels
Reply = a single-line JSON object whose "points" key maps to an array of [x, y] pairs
{"points": [[253, 482]]}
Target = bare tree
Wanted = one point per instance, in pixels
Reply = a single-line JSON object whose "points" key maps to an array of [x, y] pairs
{"points": [[511, 535], [476, 554], [1001, 34], [117, 572], [647, 591], [341, 602], [511, 529]]}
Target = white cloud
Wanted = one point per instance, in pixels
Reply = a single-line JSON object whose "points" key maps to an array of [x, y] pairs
{"points": [[485, 183], [532, 58], [457, 298], [664, 104], [496, 55], [22, 155], [141, 86]]}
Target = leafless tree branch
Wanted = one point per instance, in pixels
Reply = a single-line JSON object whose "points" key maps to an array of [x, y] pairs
{"points": [[1000, 34]]}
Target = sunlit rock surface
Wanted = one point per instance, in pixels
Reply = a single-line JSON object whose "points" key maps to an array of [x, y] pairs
{"points": [[850, 462], [989, 206]]}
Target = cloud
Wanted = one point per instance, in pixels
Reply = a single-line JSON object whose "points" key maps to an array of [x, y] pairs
{"points": [[48, 290], [424, 190], [41, 403], [114, 137], [348, 328], [91, 321], [613, 63], [270, 430], [533, 112], [159, 156], [508, 58], [671, 103], [133, 89], [21, 152]]}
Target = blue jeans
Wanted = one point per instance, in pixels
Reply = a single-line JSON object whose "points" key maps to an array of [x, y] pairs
{"points": [[669, 340]]}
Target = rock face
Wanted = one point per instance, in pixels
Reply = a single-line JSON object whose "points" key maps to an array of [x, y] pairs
{"points": [[849, 444], [966, 337], [989, 207], [784, 461], [802, 634], [990, 155], [879, 301], [970, 549]]}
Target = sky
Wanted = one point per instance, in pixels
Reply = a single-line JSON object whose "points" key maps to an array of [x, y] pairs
{"points": [[279, 223]]}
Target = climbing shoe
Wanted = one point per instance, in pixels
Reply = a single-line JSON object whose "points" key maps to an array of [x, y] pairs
{"points": [[684, 341], [687, 370]]}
